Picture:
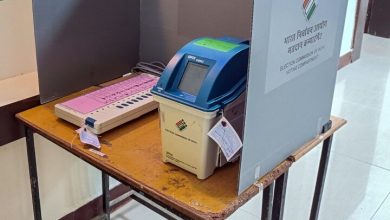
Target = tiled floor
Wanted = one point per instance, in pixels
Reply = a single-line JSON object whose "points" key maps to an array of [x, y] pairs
{"points": [[358, 181]]}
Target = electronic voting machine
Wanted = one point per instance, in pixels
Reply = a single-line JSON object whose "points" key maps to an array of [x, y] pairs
{"points": [[205, 79], [111, 106]]}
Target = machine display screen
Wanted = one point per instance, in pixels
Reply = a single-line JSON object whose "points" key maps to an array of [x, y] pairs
{"points": [[193, 77]]}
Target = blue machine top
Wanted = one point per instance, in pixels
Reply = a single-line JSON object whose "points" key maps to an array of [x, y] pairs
{"points": [[206, 73]]}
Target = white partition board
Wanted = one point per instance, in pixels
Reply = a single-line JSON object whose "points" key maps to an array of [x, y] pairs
{"points": [[293, 63], [167, 25]]}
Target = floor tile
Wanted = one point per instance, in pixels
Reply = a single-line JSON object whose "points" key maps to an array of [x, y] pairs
{"points": [[134, 211], [376, 45], [353, 190], [253, 206], [384, 211], [242, 215], [362, 96], [365, 137], [300, 186]]}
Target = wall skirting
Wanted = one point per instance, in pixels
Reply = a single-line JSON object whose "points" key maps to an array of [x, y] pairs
{"points": [[345, 60]]}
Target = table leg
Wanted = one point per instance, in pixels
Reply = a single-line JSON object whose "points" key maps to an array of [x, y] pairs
{"points": [[106, 195], [325, 154], [279, 196], [268, 195], [32, 168]]}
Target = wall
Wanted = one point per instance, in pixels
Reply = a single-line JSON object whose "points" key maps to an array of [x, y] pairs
{"points": [[349, 27], [15, 197], [17, 48], [65, 181], [378, 18]]}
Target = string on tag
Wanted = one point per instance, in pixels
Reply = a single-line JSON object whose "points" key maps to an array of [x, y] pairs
{"points": [[74, 138]]}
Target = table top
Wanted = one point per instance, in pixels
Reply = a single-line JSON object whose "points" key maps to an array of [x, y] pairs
{"points": [[134, 157]]}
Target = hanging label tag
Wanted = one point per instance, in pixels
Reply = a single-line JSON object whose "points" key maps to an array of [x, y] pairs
{"points": [[226, 137], [88, 137]]}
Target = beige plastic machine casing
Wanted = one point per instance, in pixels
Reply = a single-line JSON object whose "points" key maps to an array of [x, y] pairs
{"points": [[191, 148], [109, 117]]}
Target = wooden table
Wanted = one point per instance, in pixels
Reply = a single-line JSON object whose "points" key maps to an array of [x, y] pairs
{"points": [[134, 158]]}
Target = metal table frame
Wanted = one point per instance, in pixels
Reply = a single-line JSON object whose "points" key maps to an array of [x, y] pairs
{"points": [[273, 195]]}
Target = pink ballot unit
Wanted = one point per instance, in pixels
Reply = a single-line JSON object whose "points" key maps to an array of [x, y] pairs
{"points": [[110, 106]]}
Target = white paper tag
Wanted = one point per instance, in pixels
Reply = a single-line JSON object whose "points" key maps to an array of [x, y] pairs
{"points": [[226, 137], [88, 137]]}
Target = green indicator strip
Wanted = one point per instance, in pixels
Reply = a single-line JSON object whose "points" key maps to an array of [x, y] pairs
{"points": [[313, 7], [216, 44]]}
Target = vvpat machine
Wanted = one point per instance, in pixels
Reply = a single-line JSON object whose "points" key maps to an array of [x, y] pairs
{"points": [[205, 79]]}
